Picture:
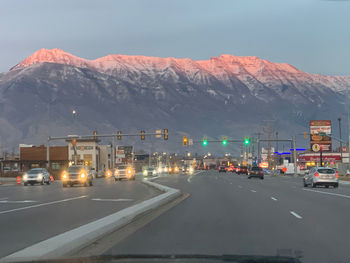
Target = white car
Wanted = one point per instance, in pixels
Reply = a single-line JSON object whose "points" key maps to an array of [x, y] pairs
{"points": [[36, 176]]}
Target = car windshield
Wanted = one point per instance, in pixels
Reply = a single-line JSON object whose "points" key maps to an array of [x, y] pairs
{"points": [[174, 128], [256, 169], [74, 169], [35, 171], [326, 171]]}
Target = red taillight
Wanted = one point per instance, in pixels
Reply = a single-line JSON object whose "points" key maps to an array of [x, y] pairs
{"points": [[317, 174], [336, 174]]}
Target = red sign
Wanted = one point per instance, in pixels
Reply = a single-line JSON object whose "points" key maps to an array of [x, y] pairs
{"points": [[320, 134], [316, 158]]}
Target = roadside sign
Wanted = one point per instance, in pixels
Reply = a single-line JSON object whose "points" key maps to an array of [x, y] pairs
{"points": [[159, 133], [320, 131], [316, 147]]}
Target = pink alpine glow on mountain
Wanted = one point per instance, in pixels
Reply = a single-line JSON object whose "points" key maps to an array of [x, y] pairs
{"points": [[252, 71]]}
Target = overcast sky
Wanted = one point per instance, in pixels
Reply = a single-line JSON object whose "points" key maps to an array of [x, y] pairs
{"points": [[313, 35]]}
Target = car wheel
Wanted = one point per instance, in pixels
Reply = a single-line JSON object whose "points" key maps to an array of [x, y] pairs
{"points": [[42, 182], [327, 186], [336, 185], [71, 184], [262, 178], [31, 183], [249, 177], [90, 183], [25, 184], [48, 182], [313, 185], [305, 185], [64, 184]]}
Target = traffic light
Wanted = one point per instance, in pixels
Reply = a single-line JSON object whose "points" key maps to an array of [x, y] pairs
{"points": [[246, 140], [184, 140], [143, 135], [119, 135], [95, 135], [205, 141], [165, 132], [224, 141]]}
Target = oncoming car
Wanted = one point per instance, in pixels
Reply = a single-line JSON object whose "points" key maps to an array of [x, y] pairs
{"points": [[36, 176], [321, 176], [124, 172], [77, 174]]}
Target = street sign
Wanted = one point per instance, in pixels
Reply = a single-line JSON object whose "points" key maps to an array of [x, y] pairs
{"points": [[159, 133], [316, 147]]}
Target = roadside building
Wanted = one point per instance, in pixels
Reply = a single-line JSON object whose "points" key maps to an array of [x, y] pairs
{"points": [[35, 156], [87, 153]]}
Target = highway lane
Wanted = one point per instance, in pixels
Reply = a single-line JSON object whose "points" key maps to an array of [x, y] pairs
{"points": [[230, 214], [30, 214]]}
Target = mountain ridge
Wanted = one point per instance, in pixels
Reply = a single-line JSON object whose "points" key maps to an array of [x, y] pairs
{"points": [[225, 95]]}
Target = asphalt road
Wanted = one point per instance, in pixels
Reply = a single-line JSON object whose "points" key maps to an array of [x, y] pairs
{"points": [[30, 214], [230, 214]]}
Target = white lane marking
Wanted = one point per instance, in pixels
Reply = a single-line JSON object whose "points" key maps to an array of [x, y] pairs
{"points": [[295, 214], [189, 179], [239, 186], [43, 204], [327, 193], [273, 198], [4, 198], [253, 191], [112, 200], [16, 202]]}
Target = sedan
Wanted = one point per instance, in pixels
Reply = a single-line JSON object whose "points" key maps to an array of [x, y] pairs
{"points": [[36, 176], [321, 176]]}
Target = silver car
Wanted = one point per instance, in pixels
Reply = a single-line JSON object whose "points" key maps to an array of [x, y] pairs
{"points": [[124, 172], [36, 176], [321, 176]]}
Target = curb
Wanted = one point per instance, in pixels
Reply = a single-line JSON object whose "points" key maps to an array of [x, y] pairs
{"points": [[79, 237]]}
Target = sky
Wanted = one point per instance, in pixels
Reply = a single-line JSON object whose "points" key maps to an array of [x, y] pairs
{"points": [[313, 35]]}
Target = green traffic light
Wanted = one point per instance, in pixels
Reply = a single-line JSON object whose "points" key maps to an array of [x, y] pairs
{"points": [[224, 142], [205, 143], [246, 141]]}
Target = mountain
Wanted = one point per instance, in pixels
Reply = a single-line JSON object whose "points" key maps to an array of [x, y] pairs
{"points": [[226, 95]]}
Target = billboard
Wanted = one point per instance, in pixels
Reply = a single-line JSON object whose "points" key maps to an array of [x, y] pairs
{"points": [[320, 132]]}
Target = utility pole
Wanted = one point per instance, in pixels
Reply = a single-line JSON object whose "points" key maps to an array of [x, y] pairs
{"points": [[295, 157], [340, 142]]}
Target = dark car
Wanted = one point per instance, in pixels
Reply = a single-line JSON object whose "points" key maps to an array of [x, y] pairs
{"points": [[256, 171], [222, 169], [242, 170]]}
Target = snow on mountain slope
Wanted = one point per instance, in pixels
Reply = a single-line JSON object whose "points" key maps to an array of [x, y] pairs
{"points": [[220, 96]]}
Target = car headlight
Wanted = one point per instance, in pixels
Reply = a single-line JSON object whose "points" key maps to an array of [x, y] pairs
{"points": [[25, 177], [116, 172], [144, 172], [129, 171], [64, 176], [40, 176], [82, 175]]}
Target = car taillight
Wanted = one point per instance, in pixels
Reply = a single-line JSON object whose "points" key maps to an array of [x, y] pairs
{"points": [[336, 174], [317, 174]]}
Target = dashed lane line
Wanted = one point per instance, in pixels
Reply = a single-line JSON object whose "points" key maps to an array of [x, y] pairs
{"points": [[43, 204], [295, 214], [273, 198]]}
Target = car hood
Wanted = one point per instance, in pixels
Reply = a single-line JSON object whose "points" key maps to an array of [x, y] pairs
{"points": [[175, 258]]}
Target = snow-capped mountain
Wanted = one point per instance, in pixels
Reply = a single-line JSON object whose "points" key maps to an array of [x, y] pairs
{"points": [[225, 95]]}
